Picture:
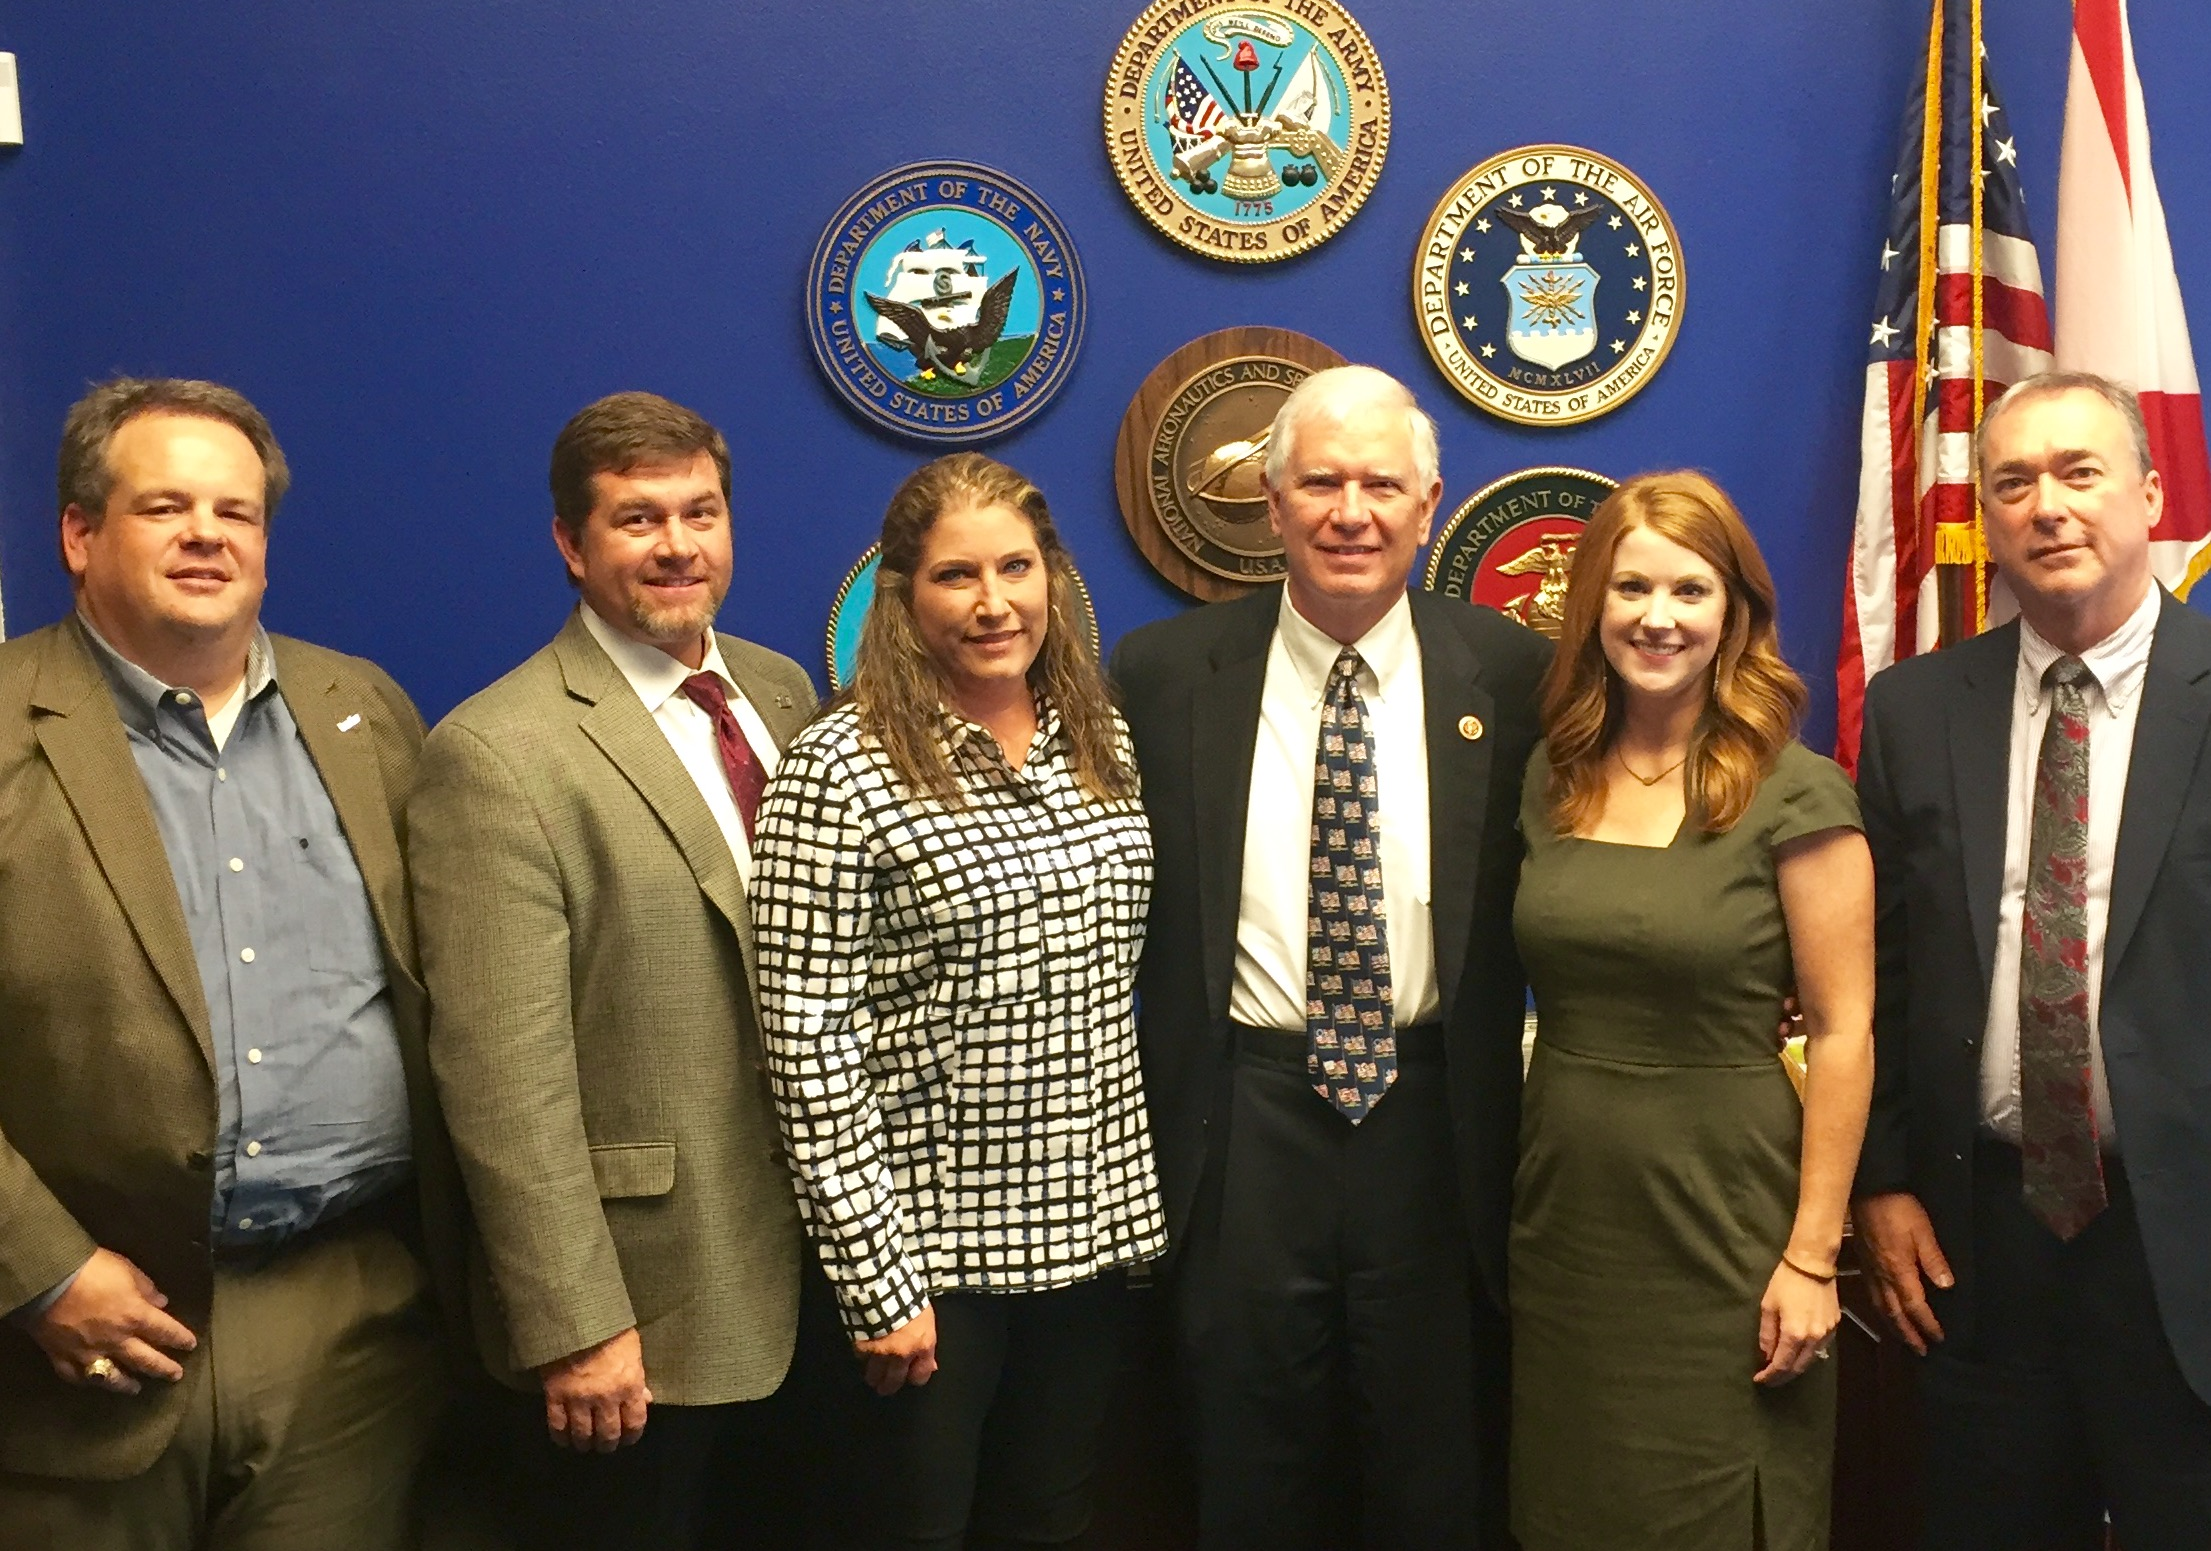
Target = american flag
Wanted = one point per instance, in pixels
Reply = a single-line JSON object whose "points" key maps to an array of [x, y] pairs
{"points": [[1191, 110], [1960, 316]]}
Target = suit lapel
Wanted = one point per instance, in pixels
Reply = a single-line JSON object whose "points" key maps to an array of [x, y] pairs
{"points": [[334, 726], [1458, 784], [626, 733], [1980, 760], [1224, 735], [84, 741], [2168, 742]]}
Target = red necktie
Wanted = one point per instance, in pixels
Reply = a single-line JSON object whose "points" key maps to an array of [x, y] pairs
{"points": [[746, 779]]}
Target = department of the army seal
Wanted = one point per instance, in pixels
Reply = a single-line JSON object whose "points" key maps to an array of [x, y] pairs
{"points": [[1192, 447], [945, 301], [1590, 274], [856, 595], [1511, 544], [1247, 130]]}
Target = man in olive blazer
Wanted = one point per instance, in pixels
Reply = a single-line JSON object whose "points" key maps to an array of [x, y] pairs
{"points": [[109, 1054], [579, 856]]}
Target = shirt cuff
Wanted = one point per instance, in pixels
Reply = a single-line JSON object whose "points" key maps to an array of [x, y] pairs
{"points": [[30, 1313]]}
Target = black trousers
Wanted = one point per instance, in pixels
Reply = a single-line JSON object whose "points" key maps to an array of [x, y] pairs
{"points": [[753, 1476], [1000, 1447], [1330, 1325], [2067, 1403]]}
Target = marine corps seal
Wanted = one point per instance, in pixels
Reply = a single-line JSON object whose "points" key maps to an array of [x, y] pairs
{"points": [[1247, 131], [1548, 285], [848, 611], [945, 301], [1511, 544], [1192, 448]]}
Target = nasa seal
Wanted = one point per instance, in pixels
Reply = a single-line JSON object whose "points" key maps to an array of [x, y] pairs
{"points": [[1192, 448]]}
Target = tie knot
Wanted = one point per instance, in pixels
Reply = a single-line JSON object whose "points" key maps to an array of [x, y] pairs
{"points": [[705, 691], [2066, 673], [1348, 664]]}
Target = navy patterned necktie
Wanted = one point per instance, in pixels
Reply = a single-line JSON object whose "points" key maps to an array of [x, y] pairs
{"points": [[1351, 1044], [2061, 1163]]}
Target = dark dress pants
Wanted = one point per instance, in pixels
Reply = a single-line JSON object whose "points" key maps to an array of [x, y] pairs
{"points": [[1330, 1323], [2067, 1402], [751, 1476], [1000, 1447]]}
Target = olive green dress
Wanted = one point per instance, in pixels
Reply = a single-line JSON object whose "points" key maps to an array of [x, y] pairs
{"points": [[1657, 1186]]}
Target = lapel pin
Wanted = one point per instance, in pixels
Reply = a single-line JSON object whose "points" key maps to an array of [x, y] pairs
{"points": [[1470, 727], [354, 721]]}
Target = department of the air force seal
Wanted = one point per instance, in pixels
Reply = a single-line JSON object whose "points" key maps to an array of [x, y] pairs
{"points": [[1192, 447], [1511, 544], [1548, 285], [1247, 131], [856, 595], [945, 301]]}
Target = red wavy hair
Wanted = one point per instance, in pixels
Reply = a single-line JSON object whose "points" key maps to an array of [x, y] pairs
{"points": [[1756, 699]]}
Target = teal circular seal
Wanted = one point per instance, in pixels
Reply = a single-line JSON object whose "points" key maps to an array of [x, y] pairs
{"points": [[856, 595], [946, 302]]}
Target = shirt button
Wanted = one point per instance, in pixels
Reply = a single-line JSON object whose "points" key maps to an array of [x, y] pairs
{"points": [[245, 1222], [254, 1056], [221, 774], [184, 697], [245, 955], [253, 1149], [237, 864]]}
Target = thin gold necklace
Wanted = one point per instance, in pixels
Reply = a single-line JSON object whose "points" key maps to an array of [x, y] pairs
{"points": [[1651, 780]]}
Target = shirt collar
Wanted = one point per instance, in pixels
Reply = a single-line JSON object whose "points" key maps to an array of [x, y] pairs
{"points": [[656, 676], [956, 733], [139, 695], [1387, 649], [2118, 663]]}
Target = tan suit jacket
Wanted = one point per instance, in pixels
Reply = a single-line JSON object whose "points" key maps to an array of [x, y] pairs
{"points": [[594, 1031], [107, 1088]]}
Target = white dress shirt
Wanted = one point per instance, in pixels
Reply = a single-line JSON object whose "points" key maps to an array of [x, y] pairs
{"points": [[658, 679], [2117, 665], [1271, 936]]}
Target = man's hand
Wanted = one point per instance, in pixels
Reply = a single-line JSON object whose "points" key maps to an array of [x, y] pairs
{"points": [[596, 1399], [908, 1355], [1900, 1250], [112, 1310]]}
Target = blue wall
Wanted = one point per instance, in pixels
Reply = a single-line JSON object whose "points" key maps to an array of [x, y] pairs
{"points": [[422, 232]]}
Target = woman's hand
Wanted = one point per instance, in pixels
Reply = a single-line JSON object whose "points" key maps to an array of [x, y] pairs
{"points": [[908, 1355], [1796, 1319]]}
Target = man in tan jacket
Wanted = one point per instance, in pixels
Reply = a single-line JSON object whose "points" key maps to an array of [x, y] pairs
{"points": [[580, 836], [220, 1153]]}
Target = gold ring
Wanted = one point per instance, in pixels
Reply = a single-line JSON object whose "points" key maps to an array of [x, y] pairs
{"points": [[103, 1369]]}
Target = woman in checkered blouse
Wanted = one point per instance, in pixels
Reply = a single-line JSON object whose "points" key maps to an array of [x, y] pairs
{"points": [[951, 877]]}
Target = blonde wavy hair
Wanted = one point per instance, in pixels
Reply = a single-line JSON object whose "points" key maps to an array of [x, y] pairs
{"points": [[1756, 699], [897, 687]]}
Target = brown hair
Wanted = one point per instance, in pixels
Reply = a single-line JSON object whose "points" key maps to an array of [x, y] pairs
{"points": [[85, 480], [621, 432], [1756, 699], [896, 685]]}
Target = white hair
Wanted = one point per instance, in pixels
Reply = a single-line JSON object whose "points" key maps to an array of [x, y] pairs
{"points": [[1338, 390]]}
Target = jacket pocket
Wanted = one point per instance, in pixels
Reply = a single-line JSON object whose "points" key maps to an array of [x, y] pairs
{"points": [[625, 1169]]}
